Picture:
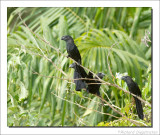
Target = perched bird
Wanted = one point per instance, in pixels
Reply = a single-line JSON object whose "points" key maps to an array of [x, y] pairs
{"points": [[80, 84], [133, 88], [72, 49], [94, 88]]}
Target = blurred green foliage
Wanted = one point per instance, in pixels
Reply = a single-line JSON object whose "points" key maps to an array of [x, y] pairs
{"points": [[31, 101]]}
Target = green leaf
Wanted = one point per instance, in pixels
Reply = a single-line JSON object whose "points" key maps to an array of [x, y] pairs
{"points": [[24, 92], [90, 107]]}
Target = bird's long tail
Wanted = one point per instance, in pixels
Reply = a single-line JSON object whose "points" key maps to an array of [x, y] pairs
{"points": [[139, 108], [80, 85]]}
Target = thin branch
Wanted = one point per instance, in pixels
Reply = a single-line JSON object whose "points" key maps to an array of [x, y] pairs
{"points": [[53, 64], [69, 79], [83, 106], [110, 100], [45, 58], [81, 120], [109, 63], [133, 121], [36, 73], [89, 99], [146, 38], [99, 102]]}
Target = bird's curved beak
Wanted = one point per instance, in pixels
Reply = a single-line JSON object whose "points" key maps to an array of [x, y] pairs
{"points": [[123, 77], [71, 66], [63, 38]]}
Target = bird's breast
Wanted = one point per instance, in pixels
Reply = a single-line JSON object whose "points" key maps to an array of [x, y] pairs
{"points": [[70, 48]]}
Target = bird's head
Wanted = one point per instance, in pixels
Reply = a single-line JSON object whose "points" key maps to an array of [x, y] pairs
{"points": [[125, 78], [67, 38], [73, 65], [101, 75]]}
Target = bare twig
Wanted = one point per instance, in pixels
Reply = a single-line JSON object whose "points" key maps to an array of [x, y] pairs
{"points": [[110, 100], [81, 120], [69, 79], [89, 99], [83, 106], [100, 102], [52, 64], [109, 63], [133, 121], [146, 38]]}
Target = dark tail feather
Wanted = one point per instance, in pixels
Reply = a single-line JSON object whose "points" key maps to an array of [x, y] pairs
{"points": [[80, 85], [139, 108]]}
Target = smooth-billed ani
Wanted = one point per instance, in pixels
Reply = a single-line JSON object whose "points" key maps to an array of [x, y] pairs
{"points": [[94, 88], [72, 49], [133, 88]]}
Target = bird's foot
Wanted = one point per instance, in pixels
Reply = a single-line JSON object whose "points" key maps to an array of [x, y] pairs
{"points": [[67, 56], [87, 90]]}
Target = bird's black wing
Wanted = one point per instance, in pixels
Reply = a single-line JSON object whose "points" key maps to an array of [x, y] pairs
{"points": [[92, 88], [81, 71], [73, 52], [80, 84], [136, 90], [89, 76]]}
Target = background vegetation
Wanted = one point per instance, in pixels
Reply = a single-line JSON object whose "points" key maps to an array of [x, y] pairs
{"points": [[36, 94]]}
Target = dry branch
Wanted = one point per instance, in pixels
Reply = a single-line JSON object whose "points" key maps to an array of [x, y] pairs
{"points": [[83, 106], [133, 121]]}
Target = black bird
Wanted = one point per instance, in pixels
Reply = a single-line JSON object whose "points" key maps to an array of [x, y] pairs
{"points": [[133, 88], [81, 71], [72, 49], [94, 88], [80, 84]]}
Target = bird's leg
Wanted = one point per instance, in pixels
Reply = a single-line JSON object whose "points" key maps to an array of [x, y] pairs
{"points": [[79, 62], [87, 90], [68, 55]]}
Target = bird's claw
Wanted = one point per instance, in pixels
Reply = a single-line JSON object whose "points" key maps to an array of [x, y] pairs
{"points": [[67, 56]]}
